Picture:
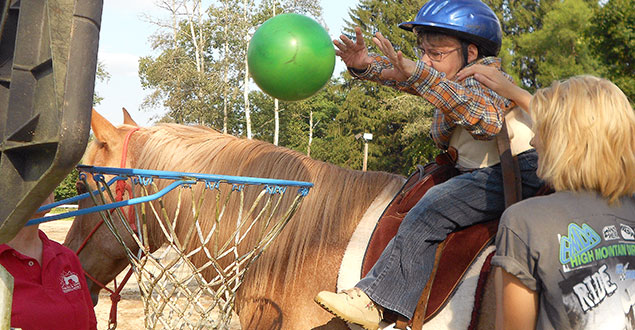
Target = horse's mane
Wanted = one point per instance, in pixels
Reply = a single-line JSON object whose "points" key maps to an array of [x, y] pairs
{"points": [[330, 211]]}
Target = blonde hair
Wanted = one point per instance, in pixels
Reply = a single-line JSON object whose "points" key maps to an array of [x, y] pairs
{"points": [[587, 131]]}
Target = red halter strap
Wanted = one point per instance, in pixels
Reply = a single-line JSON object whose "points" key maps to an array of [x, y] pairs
{"points": [[121, 187]]}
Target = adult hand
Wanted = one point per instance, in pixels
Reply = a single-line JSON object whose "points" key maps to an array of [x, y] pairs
{"points": [[403, 67], [354, 54], [489, 76], [494, 79]]}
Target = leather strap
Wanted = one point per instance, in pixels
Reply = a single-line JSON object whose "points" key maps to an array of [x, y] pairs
{"points": [[512, 184], [122, 186], [422, 306]]}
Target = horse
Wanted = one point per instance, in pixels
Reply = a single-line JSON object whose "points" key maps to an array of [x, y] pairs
{"points": [[278, 289]]}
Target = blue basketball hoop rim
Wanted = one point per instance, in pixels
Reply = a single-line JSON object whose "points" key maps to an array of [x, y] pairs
{"points": [[146, 177]]}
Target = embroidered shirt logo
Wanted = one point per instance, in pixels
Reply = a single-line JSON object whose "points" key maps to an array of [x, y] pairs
{"points": [[627, 232], [610, 233], [574, 247], [69, 282]]}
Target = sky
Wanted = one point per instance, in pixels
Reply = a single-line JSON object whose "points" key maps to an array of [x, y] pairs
{"points": [[124, 37]]}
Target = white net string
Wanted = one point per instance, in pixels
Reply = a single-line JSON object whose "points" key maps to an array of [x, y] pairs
{"points": [[190, 282]]}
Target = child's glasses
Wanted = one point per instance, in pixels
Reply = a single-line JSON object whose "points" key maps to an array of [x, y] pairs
{"points": [[433, 55]]}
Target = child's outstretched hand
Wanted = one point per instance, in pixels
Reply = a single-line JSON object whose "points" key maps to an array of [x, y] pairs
{"points": [[403, 67], [354, 54]]}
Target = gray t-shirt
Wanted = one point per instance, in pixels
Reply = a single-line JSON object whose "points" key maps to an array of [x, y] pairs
{"points": [[578, 253]]}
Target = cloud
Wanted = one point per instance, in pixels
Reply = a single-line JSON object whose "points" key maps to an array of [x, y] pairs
{"points": [[120, 64], [131, 6]]}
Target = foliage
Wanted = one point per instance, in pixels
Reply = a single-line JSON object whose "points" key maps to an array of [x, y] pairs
{"points": [[399, 122], [66, 188], [199, 72], [612, 36], [544, 40], [188, 94], [374, 16], [102, 75], [560, 50]]}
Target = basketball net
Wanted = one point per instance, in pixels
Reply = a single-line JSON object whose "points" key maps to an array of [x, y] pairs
{"points": [[190, 282]]}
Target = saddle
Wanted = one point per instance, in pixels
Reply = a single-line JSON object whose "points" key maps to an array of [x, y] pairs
{"points": [[453, 257], [460, 249]]}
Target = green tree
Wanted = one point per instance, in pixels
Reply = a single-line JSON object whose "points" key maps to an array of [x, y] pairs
{"points": [[544, 40], [199, 75], [186, 77], [612, 36], [560, 48], [66, 188], [399, 122], [101, 75]]}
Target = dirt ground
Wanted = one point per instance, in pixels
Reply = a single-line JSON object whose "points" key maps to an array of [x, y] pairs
{"points": [[130, 315]]}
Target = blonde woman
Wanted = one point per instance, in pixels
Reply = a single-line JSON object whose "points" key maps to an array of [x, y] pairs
{"points": [[568, 259]]}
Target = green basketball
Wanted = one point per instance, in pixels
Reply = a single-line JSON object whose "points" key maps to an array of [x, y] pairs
{"points": [[291, 57]]}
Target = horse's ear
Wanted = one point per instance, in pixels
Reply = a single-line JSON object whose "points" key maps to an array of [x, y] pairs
{"points": [[127, 119], [104, 131]]}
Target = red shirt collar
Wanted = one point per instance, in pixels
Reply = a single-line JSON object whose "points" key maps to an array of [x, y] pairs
{"points": [[46, 242]]}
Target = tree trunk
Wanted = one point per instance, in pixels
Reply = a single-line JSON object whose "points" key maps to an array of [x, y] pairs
{"points": [[195, 40], [276, 115], [225, 77], [246, 97], [308, 147], [175, 25], [276, 119], [246, 85]]}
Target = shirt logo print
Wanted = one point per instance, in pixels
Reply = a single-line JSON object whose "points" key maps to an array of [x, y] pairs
{"points": [[627, 232], [69, 282], [610, 233], [574, 246]]}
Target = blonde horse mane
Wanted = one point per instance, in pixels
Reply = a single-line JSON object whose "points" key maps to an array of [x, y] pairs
{"points": [[326, 218]]}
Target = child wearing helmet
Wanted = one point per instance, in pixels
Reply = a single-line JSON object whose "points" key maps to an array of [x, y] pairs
{"points": [[451, 34]]}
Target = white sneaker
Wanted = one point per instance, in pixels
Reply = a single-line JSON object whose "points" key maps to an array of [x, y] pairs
{"points": [[352, 306]]}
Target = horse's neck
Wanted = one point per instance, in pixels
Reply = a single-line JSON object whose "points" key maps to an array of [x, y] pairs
{"points": [[350, 269]]}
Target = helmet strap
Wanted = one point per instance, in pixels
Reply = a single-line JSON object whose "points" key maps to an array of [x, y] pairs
{"points": [[464, 46]]}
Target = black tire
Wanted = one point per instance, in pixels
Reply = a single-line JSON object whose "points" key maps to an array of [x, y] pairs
{"points": [[48, 58]]}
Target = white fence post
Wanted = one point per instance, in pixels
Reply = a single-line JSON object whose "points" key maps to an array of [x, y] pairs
{"points": [[6, 298]]}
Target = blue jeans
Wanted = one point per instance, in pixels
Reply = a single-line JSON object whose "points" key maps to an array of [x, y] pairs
{"points": [[398, 278]]}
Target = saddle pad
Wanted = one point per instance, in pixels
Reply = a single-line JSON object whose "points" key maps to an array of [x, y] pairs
{"points": [[457, 255]]}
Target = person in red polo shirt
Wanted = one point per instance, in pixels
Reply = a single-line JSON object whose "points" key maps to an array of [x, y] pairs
{"points": [[50, 290]]}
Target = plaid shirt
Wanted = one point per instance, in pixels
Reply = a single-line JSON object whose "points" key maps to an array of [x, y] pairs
{"points": [[468, 103]]}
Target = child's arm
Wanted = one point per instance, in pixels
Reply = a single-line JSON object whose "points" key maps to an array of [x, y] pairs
{"points": [[471, 105], [494, 79]]}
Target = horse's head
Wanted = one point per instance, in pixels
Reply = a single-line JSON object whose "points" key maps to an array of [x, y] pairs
{"points": [[101, 255]]}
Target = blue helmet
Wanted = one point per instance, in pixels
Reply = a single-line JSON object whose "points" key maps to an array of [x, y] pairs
{"points": [[471, 20]]}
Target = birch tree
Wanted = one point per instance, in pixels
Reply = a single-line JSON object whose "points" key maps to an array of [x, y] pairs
{"points": [[184, 78], [228, 32]]}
